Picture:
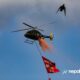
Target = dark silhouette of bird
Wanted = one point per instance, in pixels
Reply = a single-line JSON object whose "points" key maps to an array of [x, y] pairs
{"points": [[62, 8]]}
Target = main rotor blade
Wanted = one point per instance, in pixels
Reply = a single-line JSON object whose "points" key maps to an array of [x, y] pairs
{"points": [[20, 30], [32, 26], [28, 25]]}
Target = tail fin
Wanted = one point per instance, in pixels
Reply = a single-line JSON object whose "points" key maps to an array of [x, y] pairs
{"points": [[51, 36]]}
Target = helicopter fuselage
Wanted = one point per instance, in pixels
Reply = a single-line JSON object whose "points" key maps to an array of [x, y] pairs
{"points": [[33, 34]]}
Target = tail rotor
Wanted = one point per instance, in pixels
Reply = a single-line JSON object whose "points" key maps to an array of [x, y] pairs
{"points": [[51, 36]]}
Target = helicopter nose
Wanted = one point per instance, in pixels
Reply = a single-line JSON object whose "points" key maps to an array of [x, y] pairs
{"points": [[25, 35]]}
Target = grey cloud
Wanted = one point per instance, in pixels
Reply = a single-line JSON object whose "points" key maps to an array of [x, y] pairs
{"points": [[39, 12]]}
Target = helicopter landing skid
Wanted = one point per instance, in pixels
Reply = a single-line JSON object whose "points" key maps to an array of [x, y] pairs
{"points": [[29, 41]]}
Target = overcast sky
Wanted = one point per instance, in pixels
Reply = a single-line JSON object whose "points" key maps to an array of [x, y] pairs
{"points": [[21, 61]]}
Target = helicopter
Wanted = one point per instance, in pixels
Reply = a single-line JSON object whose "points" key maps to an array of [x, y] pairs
{"points": [[34, 34]]}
